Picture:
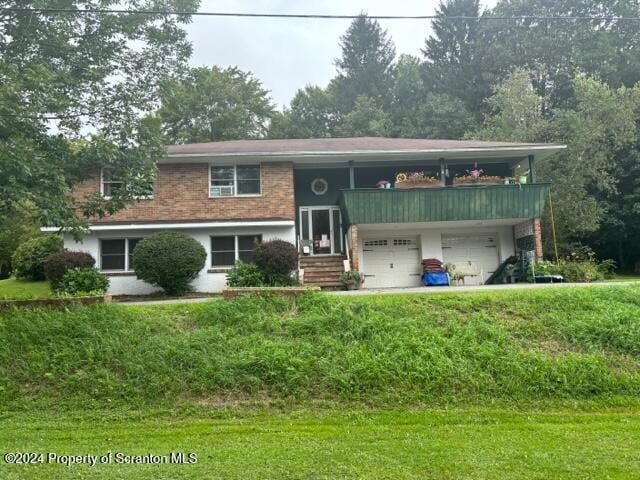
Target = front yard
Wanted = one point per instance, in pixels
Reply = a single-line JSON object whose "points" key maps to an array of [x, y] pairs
{"points": [[12, 289], [461, 443], [482, 385]]}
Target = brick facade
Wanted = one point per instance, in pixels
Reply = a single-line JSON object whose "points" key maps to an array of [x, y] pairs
{"points": [[537, 238], [181, 193], [353, 252], [528, 237]]}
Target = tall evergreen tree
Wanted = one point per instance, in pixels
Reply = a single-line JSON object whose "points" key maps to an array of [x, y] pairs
{"points": [[453, 54], [366, 65], [417, 112]]}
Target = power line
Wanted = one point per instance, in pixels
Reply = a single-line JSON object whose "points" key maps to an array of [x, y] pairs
{"points": [[56, 11]]}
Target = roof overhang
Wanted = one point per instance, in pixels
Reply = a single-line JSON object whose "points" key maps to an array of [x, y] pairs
{"points": [[358, 156], [109, 227]]}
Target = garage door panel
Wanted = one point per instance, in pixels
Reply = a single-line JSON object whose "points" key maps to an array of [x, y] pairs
{"points": [[392, 262], [480, 249]]}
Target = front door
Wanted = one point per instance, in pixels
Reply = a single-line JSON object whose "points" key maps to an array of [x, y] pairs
{"points": [[320, 229]]}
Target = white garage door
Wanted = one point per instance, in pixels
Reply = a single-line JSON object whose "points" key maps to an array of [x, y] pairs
{"points": [[480, 249], [392, 262]]}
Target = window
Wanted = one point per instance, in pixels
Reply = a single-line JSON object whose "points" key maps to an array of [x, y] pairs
{"points": [[226, 251], [116, 254], [235, 180], [111, 184], [319, 186]]}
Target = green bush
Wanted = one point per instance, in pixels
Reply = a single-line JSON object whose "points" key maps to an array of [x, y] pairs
{"points": [[352, 277], [276, 260], [28, 259], [245, 275], [169, 260], [83, 281], [575, 270], [59, 263]]}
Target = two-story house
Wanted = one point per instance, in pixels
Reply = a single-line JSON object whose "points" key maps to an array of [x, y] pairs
{"points": [[382, 204]]}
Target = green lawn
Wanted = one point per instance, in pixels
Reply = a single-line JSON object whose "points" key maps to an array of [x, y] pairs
{"points": [[482, 385], [625, 277], [12, 289], [460, 444]]}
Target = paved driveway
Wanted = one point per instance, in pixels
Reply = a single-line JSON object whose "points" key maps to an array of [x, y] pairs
{"points": [[481, 288]]}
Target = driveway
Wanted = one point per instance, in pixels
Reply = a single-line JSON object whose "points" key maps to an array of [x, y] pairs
{"points": [[481, 288]]}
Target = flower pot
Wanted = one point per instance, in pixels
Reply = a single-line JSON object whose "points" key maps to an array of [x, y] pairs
{"points": [[405, 185], [351, 286]]}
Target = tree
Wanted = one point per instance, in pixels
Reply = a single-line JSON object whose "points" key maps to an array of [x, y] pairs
{"points": [[366, 65], [312, 114], [212, 104], [596, 182], [367, 119], [65, 74], [516, 111], [602, 48], [15, 229], [454, 54], [417, 112], [600, 132]]}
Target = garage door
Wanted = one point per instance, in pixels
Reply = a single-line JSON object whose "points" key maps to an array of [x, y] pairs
{"points": [[481, 250], [392, 262]]}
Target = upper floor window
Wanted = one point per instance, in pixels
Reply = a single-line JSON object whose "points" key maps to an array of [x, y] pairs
{"points": [[235, 180], [111, 183], [116, 254]]}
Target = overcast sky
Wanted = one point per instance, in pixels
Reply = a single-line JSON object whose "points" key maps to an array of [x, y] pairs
{"points": [[287, 54]]}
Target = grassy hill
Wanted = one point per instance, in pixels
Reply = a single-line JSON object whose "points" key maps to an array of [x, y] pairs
{"points": [[510, 346]]}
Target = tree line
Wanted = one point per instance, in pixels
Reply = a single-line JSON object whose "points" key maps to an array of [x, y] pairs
{"points": [[520, 79]]}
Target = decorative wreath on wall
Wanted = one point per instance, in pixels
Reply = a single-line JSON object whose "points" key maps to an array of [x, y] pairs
{"points": [[319, 186]]}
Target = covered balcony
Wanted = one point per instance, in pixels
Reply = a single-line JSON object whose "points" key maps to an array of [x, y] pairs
{"points": [[443, 204]]}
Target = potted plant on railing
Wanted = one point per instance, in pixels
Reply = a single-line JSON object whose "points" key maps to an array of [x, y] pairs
{"points": [[352, 280], [416, 180], [476, 176]]}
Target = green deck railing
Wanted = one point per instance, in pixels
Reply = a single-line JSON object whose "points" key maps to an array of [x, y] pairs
{"points": [[477, 202]]}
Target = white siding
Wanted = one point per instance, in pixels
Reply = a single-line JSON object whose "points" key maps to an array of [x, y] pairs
{"points": [[204, 282]]}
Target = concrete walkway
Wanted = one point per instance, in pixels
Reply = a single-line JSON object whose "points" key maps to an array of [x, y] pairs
{"points": [[480, 288]]}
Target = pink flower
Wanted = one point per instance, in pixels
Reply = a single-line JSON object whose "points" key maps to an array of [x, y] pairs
{"points": [[475, 173]]}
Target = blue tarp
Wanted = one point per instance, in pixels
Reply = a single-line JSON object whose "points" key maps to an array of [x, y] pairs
{"points": [[435, 279]]}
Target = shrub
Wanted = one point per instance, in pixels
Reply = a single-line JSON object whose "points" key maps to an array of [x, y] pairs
{"points": [[353, 278], [28, 259], [59, 263], [245, 275], [170, 260], [575, 270], [83, 281], [276, 260]]}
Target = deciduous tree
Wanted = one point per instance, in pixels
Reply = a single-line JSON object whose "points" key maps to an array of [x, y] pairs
{"points": [[212, 104]]}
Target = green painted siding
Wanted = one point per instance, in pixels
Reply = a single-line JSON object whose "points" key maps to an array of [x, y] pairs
{"points": [[337, 178], [493, 202]]}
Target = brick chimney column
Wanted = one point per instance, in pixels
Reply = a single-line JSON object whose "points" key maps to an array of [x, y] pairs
{"points": [[537, 238], [355, 261]]}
